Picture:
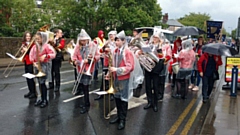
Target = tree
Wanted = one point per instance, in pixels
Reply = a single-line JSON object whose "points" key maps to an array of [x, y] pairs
{"points": [[233, 33], [26, 18], [195, 19], [5, 13]]}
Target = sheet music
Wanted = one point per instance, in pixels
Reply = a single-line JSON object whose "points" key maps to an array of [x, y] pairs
{"points": [[10, 55], [28, 75], [101, 92], [146, 49]]}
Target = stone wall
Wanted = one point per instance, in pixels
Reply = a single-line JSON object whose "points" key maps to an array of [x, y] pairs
{"points": [[12, 45]]}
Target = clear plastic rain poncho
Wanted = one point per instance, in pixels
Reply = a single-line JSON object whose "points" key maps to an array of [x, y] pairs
{"points": [[136, 76]]}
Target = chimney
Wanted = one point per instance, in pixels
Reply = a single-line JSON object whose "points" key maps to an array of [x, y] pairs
{"points": [[165, 18]]}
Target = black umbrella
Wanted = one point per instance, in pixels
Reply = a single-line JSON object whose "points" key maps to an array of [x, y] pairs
{"points": [[188, 30], [219, 49]]}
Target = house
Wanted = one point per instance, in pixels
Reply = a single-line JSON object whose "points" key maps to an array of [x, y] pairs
{"points": [[173, 24]]}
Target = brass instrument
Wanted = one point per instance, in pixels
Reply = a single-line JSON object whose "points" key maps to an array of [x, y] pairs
{"points": [[111, 89], [6, 72], [92, 60], [39, 67], [70, 50], [93, 52], [147, 60]]}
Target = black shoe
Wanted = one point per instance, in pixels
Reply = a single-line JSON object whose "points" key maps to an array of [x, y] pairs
{"points": [[38, 102], [84, 110], [44, 104], [121, 125], [172, 85], [115, 120], [56, 89], [204, 101], [27, 95], [87, 105], [51, 86], [99, 97], [160, 97], [147, 106], [33, 95], [184, 97], [155, 108]]}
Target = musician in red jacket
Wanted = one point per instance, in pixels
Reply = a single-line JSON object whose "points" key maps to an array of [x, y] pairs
{"points": [[207, 65], [59, 44], [123, 65], [28, 65], [82, 57], [176, 49]]}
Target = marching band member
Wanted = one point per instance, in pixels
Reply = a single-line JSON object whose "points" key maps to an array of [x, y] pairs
{"points": [[164, 52], [80, 58], [45, 53], [123, 65], [176, 49], [28, 66], [111, 45], [59, 43], [100, 41], [186, 59], [152, 78]]}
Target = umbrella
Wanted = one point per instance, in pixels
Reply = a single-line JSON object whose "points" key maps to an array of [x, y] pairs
{"points": [[188, 30], [219, 49]]}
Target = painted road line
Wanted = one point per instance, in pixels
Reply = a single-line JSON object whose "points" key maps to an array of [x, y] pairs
{"points": [[191, 119], [175, 126], [63, 83], [76, 97]]}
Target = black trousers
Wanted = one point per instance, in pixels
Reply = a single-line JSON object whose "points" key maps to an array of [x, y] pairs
{"points": [[30, 82], [56, 65], [122, 107], [181, 87], [161, 85], [86, 95], [43, 88], [207, 86], [152, 82]]}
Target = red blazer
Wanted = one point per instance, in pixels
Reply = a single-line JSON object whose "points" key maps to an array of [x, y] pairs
{"points": [[204, 60], [61, 44], [26, 58]]}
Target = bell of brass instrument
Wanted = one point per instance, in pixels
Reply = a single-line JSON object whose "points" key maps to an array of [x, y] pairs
{"points": [[70, 50]]}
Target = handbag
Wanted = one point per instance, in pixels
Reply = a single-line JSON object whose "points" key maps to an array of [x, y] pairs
{"points": [[215, 75]]}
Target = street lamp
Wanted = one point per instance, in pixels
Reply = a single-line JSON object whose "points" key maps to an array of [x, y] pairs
{"points": [[39, 3]]}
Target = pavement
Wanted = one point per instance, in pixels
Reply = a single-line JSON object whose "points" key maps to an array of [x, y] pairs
{"points": [[221, 115]]}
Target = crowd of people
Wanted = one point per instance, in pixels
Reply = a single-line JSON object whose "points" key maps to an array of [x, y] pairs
{"points": [[123, 60]]}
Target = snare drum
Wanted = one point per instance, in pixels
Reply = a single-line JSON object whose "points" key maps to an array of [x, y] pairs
{"points": [[175, 67]]}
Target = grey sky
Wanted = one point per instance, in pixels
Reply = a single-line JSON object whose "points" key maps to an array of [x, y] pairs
{"points": [[219, 10]]}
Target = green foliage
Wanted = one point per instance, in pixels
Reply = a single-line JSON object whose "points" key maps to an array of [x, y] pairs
{"points": [[233, 33], [72, 16], [195, 19]]}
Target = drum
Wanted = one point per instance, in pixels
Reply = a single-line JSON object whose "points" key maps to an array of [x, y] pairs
{"points": [[175, 67]]}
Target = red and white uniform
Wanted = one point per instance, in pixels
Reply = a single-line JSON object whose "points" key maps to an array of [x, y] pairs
{"points": [[46, 49], [78, 57]]}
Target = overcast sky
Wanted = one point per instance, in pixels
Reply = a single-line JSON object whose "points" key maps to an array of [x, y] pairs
{"points": [[219, 10]]}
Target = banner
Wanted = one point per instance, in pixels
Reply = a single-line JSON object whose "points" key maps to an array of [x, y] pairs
{"points": [[230, 62], [213, 29]]}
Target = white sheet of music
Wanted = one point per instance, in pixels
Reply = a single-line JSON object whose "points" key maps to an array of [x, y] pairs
{"points": [[10, 55], [28, 75], [146, 49]]}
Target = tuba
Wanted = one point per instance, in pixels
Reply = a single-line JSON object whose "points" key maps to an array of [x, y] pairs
{"points": [[148, 60]]}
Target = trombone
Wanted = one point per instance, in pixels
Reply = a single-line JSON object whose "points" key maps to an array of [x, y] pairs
{"points": [[111, 89], [7, 71], [88, 73]]}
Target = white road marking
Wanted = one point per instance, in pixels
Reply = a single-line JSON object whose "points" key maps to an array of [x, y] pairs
{"points": [[76, 97]]}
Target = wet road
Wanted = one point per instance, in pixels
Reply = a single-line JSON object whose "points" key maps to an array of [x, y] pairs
{"points": [[62, 116]]}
